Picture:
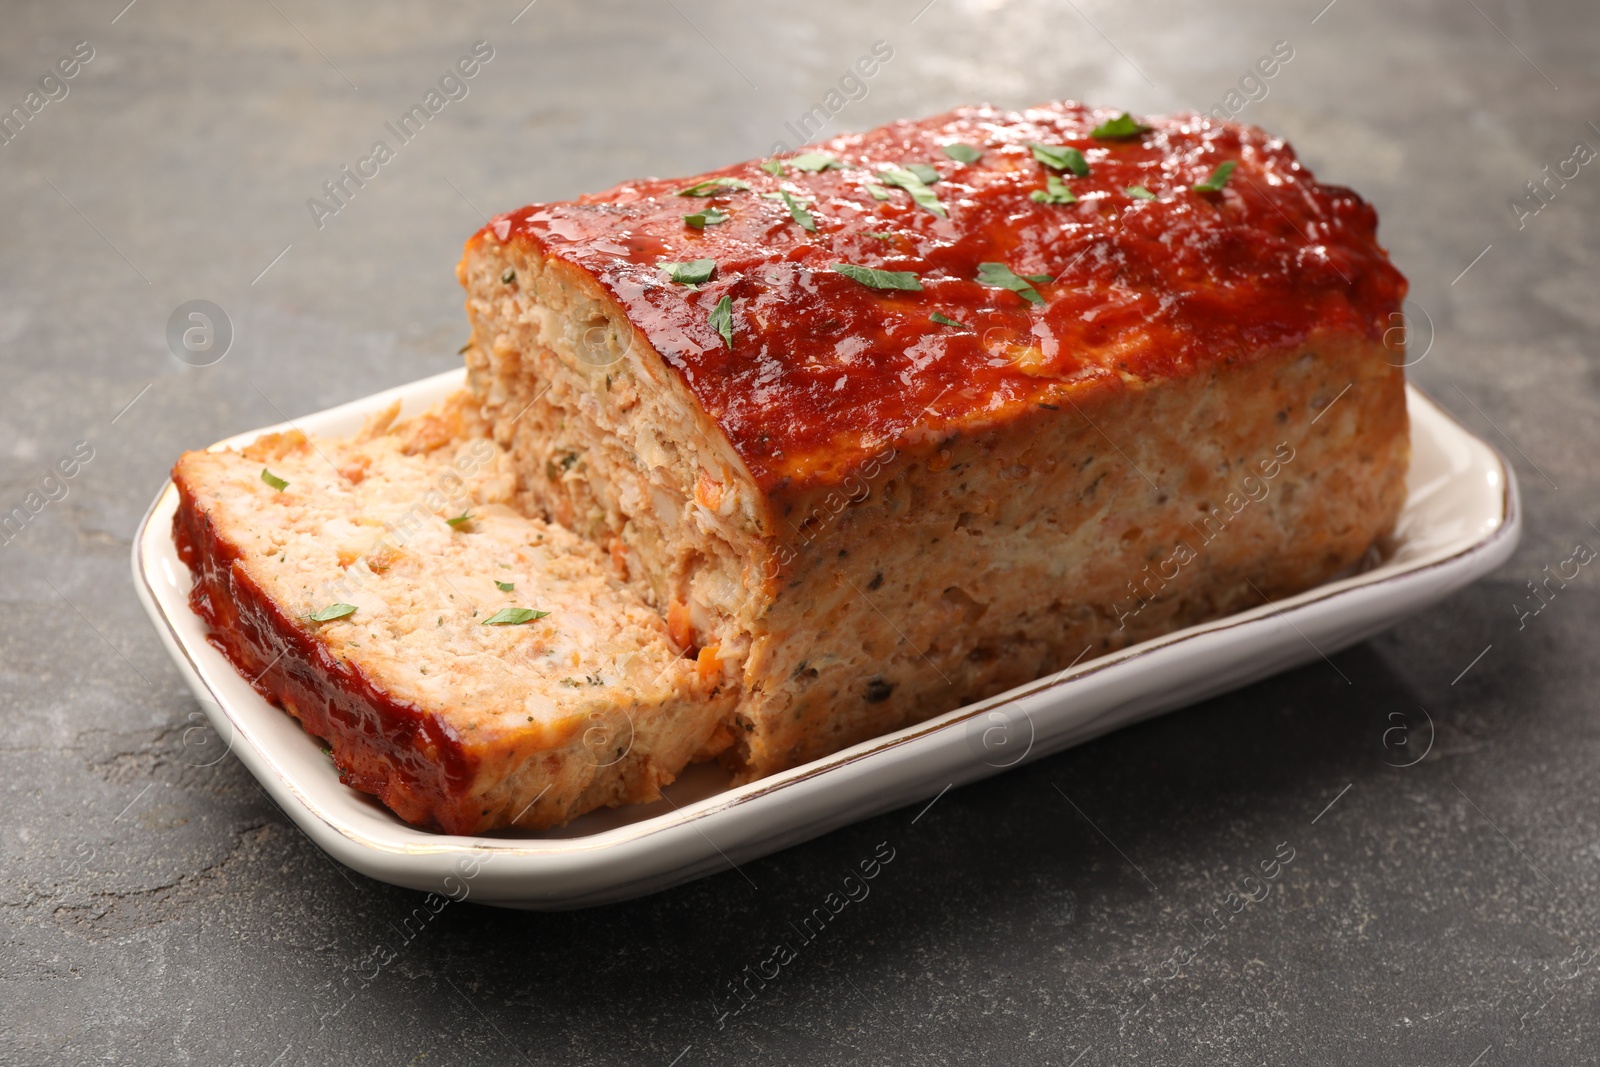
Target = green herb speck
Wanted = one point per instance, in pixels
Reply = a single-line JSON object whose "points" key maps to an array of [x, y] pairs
{"points": [[709, 186], [721, 320], [1055, 191], [513, 617], [1120, 128], [880, 279], [694, 272], [1218, 179], [331, 612], [1061, 157], [1000, 276]]}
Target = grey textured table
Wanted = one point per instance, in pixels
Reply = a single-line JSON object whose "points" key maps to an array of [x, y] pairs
{"points": [[156, 911]]}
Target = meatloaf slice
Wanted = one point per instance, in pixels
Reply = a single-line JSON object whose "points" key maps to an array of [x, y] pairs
{"points": [[472, 668], [930, 410]]}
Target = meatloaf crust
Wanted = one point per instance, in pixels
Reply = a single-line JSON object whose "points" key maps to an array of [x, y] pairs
{"points": [[1082, 380]]}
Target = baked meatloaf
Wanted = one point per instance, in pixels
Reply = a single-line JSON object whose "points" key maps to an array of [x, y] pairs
{"points": [[468, 665], [922, 413], [807, 449]]}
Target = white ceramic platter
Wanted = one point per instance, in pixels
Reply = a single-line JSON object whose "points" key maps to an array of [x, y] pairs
{"points": [[1461, 520]]}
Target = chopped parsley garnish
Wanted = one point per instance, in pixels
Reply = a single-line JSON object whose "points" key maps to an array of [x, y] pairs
{"points": [[1000, 276], [505, 587], [812, 162], [1120, 128], [509, 276], [773, 167], [331, 612], [1218, 179], [693, 272], [1055, 191], [513, 617], [273, 480], [798, 212], [709, 186], [878, 192], [1061, 157], [721, 320], [912, 183], [887, 235], [709, 217], [923, 171], [880, 279], [460, 520], [1139, 192], [944, 320], [962, 153]]}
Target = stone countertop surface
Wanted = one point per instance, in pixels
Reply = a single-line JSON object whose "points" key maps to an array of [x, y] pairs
{"points": [[160, 912]]}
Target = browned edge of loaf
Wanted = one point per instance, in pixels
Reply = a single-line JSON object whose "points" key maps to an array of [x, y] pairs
{"points": [[406, 757], [1322, 512]]}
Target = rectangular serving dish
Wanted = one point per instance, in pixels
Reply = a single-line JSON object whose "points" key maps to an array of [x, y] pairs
{"points": [[1461, 520]]}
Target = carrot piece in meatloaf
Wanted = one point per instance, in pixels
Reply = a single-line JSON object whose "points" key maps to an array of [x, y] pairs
{"points": [[896, 425], [471, 667]]}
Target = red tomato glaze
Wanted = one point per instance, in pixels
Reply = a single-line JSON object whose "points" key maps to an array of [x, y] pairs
{"points": [[824, 369]]}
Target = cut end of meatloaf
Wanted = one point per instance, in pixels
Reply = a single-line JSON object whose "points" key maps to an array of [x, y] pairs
{"points": [[494, 672]]}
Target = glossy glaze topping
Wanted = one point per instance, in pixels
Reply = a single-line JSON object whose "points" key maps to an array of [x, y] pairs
{"points": [[1148, 277]]}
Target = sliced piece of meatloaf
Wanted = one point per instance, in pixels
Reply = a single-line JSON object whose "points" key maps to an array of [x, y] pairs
{"points": [[492, 672]]}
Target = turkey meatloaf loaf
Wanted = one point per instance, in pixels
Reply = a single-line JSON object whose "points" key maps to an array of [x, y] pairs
{"points": [[471, 667], [919, 414]]}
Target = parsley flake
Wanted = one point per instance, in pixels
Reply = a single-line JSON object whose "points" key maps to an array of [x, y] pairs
{"points": [[709, 186], [962, 153], [813, 162], [694, 272], [874, 278], [1000, 276], [912, 183], [1061, 157], [273, 480], [513, 617], [1120, 128], [709, 217], [1218, 179], [944, 320], [1055, 191], [773, 167], [798, 212], [878, 192], [505, 587], [331, 612], [721, 320], [923, 171], [460, 520], [1139, 192]]}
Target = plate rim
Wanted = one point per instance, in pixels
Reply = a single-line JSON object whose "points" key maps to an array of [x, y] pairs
{"points": [[1498, 542]]}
